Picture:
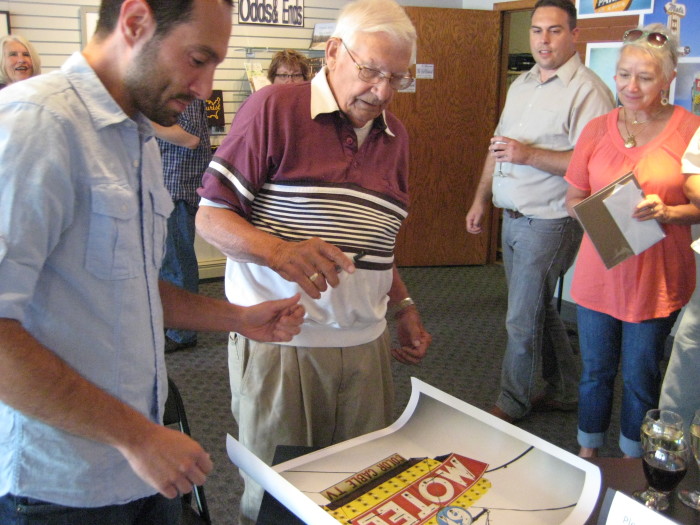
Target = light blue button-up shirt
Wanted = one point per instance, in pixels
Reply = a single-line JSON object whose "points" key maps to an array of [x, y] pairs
{"points": [[83, 215]]}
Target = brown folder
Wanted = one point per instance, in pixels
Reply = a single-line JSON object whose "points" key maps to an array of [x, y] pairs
{"points": [[608, 239]]}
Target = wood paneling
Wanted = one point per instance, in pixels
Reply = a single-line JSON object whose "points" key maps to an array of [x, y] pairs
{"points": [[449, 120], [608, 29]]}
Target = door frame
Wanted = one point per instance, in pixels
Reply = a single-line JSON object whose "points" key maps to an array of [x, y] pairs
{"points": [[506, 9]]}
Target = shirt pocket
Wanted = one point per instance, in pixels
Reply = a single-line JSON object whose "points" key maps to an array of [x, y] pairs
{"points": [[162, 208], [113, 237]]}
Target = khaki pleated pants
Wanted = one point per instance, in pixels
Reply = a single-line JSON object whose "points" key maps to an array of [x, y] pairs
{"points": [[286, 395]]}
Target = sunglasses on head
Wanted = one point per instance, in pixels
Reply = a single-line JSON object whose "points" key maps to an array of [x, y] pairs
{"points": [[654, 38]]}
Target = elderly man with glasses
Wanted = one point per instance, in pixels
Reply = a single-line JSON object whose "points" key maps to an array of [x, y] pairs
{"points": [[307, 193]]}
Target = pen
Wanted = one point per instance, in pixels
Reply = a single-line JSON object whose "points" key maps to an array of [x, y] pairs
{"points": [[359, 255]]}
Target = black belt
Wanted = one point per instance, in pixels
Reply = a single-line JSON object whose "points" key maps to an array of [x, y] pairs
{"points": [[513, 214]]}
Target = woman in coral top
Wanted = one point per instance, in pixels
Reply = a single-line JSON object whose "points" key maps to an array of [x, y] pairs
{"points": [[626, 313]]}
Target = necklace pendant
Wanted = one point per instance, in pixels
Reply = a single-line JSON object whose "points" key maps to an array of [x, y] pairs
{"points": [[630, 142]]}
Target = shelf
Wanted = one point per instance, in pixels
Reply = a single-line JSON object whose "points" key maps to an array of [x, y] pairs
{"points": [[250, 51]]}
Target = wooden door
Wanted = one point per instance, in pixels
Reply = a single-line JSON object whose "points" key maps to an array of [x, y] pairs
{"points": [[449, 121]]}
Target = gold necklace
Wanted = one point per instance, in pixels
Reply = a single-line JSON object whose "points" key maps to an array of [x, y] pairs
{"points": [[636, 122], [631, 140]]}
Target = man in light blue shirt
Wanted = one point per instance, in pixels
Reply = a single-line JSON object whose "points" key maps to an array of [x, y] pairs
{"points": [[83, 215]]}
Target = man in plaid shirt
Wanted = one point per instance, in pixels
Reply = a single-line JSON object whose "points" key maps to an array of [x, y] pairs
{"points": [[186, 153]]}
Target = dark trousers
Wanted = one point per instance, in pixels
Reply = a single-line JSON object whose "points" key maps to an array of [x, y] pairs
{"points": [[154, 510]]}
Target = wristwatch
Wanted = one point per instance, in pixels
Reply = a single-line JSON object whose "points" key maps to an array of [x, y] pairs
{"points": [[403, 304]]}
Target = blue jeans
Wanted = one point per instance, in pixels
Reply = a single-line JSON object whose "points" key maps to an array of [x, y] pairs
{"points": [[154, 510], [535, 253], [605, 342], [180, 262]]}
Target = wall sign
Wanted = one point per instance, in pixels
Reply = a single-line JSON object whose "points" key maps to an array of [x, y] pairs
{"points": [[215, 109], [593, 8], [271, 12]]}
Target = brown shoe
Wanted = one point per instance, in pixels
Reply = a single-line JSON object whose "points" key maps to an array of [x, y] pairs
{"points": [[500, 414], [543, 403]]}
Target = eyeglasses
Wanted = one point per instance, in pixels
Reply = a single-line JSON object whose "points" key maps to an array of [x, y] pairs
{"points": [[374, 76], [289, 76], [654, 38]]}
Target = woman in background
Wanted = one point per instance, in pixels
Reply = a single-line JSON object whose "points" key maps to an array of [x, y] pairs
{"points": [[626, 313], [287, 67], [18, 60]]}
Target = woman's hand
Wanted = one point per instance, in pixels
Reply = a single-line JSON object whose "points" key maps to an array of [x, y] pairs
{"points": [[652, 207]]}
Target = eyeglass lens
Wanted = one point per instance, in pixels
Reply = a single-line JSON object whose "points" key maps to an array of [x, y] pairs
{"points": [[374, 76], [655, 39], [289, 75]]}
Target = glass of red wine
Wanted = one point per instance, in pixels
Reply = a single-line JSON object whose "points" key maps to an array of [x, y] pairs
{"points": [[666, 456]]}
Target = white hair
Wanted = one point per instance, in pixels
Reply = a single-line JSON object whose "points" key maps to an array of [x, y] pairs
{"points": [[665, 56], [376, 16], [36, 61]]}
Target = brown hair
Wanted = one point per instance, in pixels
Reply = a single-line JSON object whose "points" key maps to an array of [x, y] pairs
{"points": [[564, 5], [291, 58], [167, 13]]}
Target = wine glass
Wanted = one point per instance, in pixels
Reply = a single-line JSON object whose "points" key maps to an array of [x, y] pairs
{"points": [[659, 421], [499, 173], [665, 458], [692, 497]]}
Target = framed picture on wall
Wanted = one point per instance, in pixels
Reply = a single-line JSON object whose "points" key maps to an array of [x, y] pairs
{"points": [[684, 25], [593, 8], [688, 69], [601, 57], [88, 23], [4, 23]]}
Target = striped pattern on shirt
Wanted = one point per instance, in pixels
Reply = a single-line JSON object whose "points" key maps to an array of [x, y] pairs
{"points": [[345, 215]]}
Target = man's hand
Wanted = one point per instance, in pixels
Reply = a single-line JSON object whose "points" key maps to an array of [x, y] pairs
{"points": [[413, 338], [166, 459], [313, 264], [505, 149], [475, 218], [272, 320]]}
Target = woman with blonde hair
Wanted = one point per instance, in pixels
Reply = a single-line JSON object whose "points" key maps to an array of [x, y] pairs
{"points": [[18, 60], [626, 313]]}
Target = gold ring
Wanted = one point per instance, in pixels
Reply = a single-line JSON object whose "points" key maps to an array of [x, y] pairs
{"points": [[313, 277]]}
